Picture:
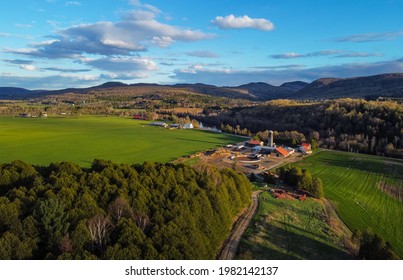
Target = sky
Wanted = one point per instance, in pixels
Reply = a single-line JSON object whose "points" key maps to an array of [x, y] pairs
{"points": [[54, 44]]}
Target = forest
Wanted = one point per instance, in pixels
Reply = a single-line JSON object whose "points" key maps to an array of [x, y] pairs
{"points": [[117, 211], [353, 125]]}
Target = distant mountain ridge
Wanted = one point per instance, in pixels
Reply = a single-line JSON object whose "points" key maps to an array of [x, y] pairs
{"points": [[389, 85]]}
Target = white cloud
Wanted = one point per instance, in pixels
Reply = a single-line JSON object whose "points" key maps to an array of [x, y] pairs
{"points": [[233, 22], [28, 67], [162, 42], [132, 34], [138, 4], [120, 65]]}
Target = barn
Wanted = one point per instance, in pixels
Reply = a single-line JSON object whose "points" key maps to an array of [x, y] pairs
{"points": [[280, 152], [254, 143]]}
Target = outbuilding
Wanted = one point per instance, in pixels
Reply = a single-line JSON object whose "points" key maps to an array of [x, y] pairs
{"points": [[188, 126]]}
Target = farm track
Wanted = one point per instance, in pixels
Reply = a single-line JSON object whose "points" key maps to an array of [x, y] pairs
{"points": [[230, 246]]}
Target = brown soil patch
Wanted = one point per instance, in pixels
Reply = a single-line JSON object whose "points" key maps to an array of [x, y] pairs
{"points": [[394, 191]]}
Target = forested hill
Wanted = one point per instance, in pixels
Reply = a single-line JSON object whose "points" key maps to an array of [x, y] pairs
{"points": [[346, 124], [372, 86], [390, 85], [110, 211]]}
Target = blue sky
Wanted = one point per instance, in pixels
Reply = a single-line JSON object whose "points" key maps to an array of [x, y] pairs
{"points": [[50, 44]]}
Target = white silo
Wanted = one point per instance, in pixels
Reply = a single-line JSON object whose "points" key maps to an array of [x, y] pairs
{"points": [[270, 141]]}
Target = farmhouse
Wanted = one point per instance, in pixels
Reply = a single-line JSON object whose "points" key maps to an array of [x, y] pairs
{"points": [[280, 152]]}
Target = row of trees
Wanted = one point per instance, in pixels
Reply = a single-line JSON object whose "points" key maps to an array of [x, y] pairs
{"points": [[346, 124], [373, 247], [110, 211], [302, 179]]}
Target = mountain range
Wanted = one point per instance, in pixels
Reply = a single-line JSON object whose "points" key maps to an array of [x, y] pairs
{"points": [[385, 85]]}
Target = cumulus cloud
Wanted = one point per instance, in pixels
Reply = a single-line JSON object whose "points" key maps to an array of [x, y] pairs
{"points": [[233, 22], [133, 33]]}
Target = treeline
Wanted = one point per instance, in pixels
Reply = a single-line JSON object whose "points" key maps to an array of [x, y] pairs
{"points": [[302, 179], [111, 211], [345, 124]]}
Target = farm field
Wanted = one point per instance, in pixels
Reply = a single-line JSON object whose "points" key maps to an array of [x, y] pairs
{"points": [[81, 140], [293, 229], [365, 190]]}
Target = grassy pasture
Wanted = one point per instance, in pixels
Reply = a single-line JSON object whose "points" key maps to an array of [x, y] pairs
{"points": [[81, 140], [353, 183], [291, 229]]}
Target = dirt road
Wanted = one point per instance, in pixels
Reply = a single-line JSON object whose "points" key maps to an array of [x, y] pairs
{"points": [[230, 246]]}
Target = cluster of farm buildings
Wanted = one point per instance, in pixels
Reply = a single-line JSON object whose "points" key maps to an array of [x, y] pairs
{"points": [[174, 125], [272, 149]]}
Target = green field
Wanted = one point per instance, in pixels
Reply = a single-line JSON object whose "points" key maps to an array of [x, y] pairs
{"points": [[81, 140], [353, 183], [292, 229]]}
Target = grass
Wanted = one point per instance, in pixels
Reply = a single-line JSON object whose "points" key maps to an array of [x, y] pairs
{"points": [[291, 229], [351, 183], [81, 140]]}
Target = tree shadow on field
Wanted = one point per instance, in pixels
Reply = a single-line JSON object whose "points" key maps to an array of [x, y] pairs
{"points": [[251, 251], [299, 246]]}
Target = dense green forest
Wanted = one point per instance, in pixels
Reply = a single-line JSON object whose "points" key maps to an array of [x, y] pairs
{"points": [[346, 124], [111, 211]]}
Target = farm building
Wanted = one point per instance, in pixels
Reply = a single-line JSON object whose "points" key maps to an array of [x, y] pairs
{"points": [[162, 124], [267, 150], [138, 117], [175, 125], [290, 150], [280, 152], [254, 143], [305, 148], [188, 126]]}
